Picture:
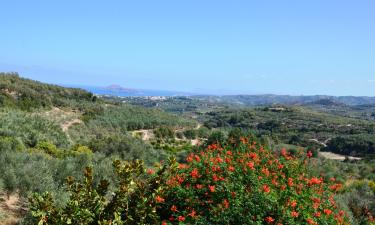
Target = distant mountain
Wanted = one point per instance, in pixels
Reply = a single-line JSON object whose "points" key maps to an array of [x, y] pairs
{"points": [[326, 102], [256, 100], [117, 90]]}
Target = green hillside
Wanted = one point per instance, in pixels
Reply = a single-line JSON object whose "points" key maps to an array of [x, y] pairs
{"points": [[27, 94], [49, 133]]}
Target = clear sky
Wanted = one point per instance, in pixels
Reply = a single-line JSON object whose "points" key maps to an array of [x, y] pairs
{"points": [[274, 46]]}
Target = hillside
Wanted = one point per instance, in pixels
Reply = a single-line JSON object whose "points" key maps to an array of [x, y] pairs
{"points": [[269, 99], [28, 94], [314, 125], [52, 132], [49, 132]]}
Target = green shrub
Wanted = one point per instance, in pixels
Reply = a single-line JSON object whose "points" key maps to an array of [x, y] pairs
{"points": [[246, 184]]}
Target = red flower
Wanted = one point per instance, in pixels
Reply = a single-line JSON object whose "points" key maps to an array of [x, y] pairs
{"points": [[317, 214], [265, 171], [150, 171], [164, 222], [311, 221], [309, 154], [174, 208], [231, 168], [251, 165], [290, 182], [266, 188], [294, 214], [195, 173], [182, 166], [335, 187], [199, 186], [180, 179], [327, 212], [181, 218], [189, 158], [315, 180], [159, 199], [269, 219], [283, 152], [293, 204], [212, 188], [219, 160], [226, 203], [253, 155], [192, 214]]}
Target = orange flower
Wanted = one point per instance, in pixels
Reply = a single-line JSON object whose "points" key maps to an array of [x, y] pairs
{"points": [[226, 203], [193, 214], [294, 214], [269, 219], [327, 212], [335, 187], [159, 199], [311, 221], [215, 177], [283, 152], [180, 179], [212, 188], [195, 173], [199, 186], [293, 203], [265, 171], [182, 166], [315, 180], [266, 188], [253, 155], [150, 171], [251, 165], [174, 208], [290, 182], [189, 158]]}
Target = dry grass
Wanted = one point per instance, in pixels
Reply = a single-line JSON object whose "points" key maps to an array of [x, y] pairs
{"points": [[11, 209]]}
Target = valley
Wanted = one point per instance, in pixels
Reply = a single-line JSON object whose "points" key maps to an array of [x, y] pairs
{"points": [[48, 133]]}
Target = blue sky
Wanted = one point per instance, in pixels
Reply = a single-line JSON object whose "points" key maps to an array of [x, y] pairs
{"points": [[253, 47]]}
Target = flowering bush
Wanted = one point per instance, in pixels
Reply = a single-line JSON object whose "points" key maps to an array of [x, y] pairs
{"points": [[240, 183], [248, 184]]}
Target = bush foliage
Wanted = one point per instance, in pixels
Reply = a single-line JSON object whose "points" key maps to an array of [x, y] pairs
{"points": [[240, 183]]}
